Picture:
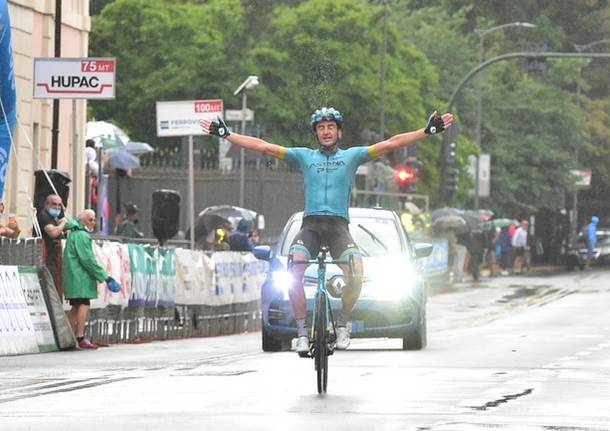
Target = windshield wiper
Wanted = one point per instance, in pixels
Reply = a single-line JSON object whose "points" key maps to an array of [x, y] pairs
{"points": [[374, 237]]}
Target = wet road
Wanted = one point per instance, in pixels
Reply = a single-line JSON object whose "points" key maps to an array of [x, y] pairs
{"points": [[514, 353]]}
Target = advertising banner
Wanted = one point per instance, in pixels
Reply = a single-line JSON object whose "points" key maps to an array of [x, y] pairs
{"points": [[438, 261], [8, 96], [37, 307], [17, 334], [181, 118], [114, 258], [74, 78]]}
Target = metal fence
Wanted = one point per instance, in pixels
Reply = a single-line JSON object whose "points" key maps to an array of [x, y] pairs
{"points": [[26, 251], [275, 193]]}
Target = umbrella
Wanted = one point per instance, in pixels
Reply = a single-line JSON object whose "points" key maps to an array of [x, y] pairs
{"points": [[231, 213], [450, 222], [487, 214], [121, 159], [498, 222], [206, 223], [106, 134], [474, 220], [442, 212], [137, 148]]}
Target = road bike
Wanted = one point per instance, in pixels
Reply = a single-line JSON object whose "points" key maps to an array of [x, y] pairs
{"points": [[323, 335]]}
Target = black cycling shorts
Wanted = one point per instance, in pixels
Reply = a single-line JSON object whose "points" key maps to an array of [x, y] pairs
{"points": [[331, 231], [79, 301]]}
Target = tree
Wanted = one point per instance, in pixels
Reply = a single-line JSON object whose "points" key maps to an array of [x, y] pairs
{"points": [[165, 51]]}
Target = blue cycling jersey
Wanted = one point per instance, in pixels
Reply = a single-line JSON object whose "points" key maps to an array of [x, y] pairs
{"points": [[328, 178]]}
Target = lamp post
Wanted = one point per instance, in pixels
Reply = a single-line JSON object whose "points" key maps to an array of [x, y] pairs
{"points": [[482, 33], [580, 49], [248, 84], [383, 70]]}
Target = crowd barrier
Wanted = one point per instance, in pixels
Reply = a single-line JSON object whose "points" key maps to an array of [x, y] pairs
{"points": [[165, 293]]}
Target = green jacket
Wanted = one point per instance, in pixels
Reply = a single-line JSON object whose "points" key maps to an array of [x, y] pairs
{"points": [[80, 267]]}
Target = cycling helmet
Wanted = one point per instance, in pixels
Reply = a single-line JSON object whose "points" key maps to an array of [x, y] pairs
{"points": [[326, 114]]}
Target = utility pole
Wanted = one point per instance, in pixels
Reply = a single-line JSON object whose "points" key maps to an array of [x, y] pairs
{"points": [[55, 125], [383, 69]]}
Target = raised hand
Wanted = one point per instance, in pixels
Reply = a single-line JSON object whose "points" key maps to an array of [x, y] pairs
{"points": [[437, 123], [215, 127]]}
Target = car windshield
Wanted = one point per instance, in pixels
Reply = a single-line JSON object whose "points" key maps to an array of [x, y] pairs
{"points": [[374, 236]]}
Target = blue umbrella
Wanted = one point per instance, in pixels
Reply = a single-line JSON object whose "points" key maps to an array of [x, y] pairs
{"points": [[121, 159], [138, 148]]}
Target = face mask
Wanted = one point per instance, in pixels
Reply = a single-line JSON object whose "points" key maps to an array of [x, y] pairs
{"points": [[54, 212], [89, 229]]}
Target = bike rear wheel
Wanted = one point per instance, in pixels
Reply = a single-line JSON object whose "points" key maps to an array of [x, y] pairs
{"points": [[321, 344]]}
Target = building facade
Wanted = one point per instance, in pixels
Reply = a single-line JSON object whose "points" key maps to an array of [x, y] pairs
{"points": [[33, 35]]}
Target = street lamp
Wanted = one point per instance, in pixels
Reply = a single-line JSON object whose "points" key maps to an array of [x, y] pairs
{"points": [[579, 48], [248, 84], [482, 32]]}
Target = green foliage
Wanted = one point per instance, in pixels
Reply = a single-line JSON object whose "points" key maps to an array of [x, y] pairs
{"points": [[165, 51], [310, 53]]}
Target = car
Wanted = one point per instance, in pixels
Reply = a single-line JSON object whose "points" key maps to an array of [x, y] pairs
{"points": [[576, 255], [392, 302]]}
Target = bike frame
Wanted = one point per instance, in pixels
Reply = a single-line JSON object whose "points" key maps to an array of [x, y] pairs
{"points": [[321, 345]]}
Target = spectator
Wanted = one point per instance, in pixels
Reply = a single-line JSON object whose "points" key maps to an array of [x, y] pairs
{"points": [[459, 258], [221, 237], [52, 222], [475, 244], [591, 239], [128, 227], [81, 271], [254, 237], [238, 240], [519, 244], [491, 239], [506, 250], [11, 229]]}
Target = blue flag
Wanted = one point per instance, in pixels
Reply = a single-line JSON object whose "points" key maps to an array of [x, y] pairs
{"points": [[8, 114]]}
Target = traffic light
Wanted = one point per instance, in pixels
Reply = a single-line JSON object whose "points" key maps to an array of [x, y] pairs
{"points": [[405, 176], [450, 154], [536, 63], [451, 172], [450, 182]]}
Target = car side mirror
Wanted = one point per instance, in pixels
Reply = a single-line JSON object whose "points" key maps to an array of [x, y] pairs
{"points": [[423, 249], [262, 252]]}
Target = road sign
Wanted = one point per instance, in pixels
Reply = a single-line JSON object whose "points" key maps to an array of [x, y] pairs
{"points": [[181, 118], [74, 78], [237, 115], [582, 178]]}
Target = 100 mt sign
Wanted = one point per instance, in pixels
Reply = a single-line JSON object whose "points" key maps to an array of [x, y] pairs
{"points": [[203, 106]]}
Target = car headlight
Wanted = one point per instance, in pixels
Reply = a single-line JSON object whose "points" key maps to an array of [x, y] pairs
{"points": [[282, 280], [392, 285]]}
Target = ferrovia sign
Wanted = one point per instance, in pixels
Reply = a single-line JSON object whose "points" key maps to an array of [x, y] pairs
{"points": [[74, 78], [181, 118]]}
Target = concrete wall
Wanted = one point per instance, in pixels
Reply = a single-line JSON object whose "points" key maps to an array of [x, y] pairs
{"points": [[33, 30]]}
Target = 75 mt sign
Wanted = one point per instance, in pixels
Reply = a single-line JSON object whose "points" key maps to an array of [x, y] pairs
{"points": [[74, 78]]}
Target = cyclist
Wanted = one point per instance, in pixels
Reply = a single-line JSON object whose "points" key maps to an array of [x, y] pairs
{"points": [[328, 175]]}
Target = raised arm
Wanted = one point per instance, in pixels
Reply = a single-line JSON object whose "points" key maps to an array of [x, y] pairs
{"points": [[436, 124], [219, 128]]}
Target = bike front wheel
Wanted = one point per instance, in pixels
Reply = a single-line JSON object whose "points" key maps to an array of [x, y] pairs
{"points": [[321, 344]]}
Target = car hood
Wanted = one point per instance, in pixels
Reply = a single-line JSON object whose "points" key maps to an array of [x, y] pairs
{"points": [[383, 275]]}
